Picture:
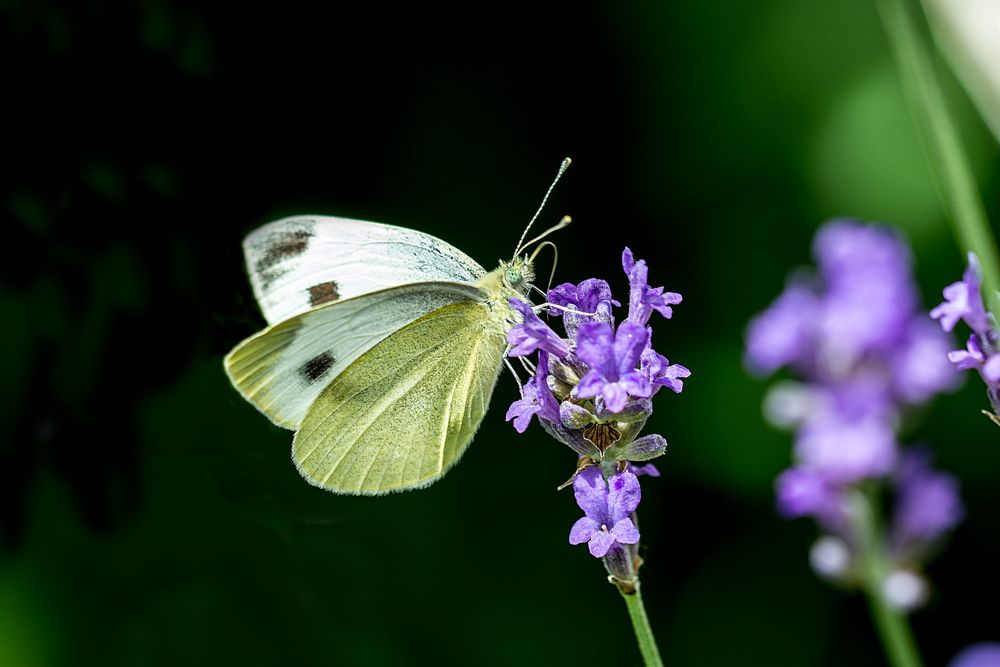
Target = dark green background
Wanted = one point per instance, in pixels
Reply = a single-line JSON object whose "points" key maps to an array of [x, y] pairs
{"points": [[150, 516]]}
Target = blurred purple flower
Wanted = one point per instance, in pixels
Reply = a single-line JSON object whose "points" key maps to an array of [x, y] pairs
{"points": [[983, 654], [607, 507], [855, 336], [846, 452], [805, 492], [919, 366], [928, 504], [783, 334]]}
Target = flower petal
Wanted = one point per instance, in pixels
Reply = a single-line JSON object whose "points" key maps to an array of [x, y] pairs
{"points": [[600, 543], [592, 494], [595, 346], [623, 496], [648, 469], [533, 334], [583, 530], [630, 340], [991, 369], [615, 396], [590, 385], [636, 384], [625, 531]]}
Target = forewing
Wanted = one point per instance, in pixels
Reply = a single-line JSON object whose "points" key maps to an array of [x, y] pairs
{"points": [[282, 369], [302, 262], [404, 412]]}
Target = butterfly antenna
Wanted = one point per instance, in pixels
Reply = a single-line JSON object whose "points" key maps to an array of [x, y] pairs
{"points": [[555, 257], [554, 228], [562, 169]]}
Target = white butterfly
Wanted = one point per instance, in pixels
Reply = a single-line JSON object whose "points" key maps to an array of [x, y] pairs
{"points": [[382, 350]]}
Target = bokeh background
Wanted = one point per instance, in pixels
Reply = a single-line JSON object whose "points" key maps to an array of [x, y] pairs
{"points": [[150, 516]]}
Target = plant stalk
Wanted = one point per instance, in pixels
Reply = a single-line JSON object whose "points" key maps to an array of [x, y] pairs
{"points": [[643, 631], [948, 159], [892, 626]]}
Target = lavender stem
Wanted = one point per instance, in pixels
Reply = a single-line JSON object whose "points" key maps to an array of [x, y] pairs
{"points": [[892, 627], [643, 631]]}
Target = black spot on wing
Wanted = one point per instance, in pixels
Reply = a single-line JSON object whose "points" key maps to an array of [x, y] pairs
{"points": [[280, 246], [323, 293], [316, 368]]}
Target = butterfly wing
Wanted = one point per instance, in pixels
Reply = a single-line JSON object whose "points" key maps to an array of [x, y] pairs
{"points": [[301, 262], [285, 367], [402, 413]]}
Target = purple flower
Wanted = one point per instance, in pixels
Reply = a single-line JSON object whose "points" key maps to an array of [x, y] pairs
{"points": [[863, 351], [592, 296], [784, 333], [869, 297], [805, 492], [974, 357], [619, 370], [606, 508], [964, 301], [919, 365], [536, 398], [583, 297], [613, 358], [849, 251], [533, 334], [660, 372], [648, 469], [971, 357], [847, 452], [983, 654], [643, 299], [928, 504]]}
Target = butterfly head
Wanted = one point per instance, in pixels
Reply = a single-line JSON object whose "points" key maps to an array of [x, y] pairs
{"points": [[518, 274]]}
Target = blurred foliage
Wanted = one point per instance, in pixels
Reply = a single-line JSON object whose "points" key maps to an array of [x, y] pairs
{"points": [[150, 516]]}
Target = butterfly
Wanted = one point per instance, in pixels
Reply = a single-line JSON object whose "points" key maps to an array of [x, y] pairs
{"points": [[382, 348]]}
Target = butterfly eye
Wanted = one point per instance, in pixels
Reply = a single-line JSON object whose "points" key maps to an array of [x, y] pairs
{"points": [[514, 277]]}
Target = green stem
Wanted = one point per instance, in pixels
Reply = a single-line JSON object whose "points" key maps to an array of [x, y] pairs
{"points": [[643, 632], [892, 627], [949, 163]]}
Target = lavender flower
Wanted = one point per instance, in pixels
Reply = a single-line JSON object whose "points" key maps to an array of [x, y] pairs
{"points": [[533, 334], [607, 508], [591, 391], [536, 398], [613, 358], [927, 504], [854, 333], [643, 299], [983, 654], [590, 296], [600, 376], [660, 372], [964, 301]]}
